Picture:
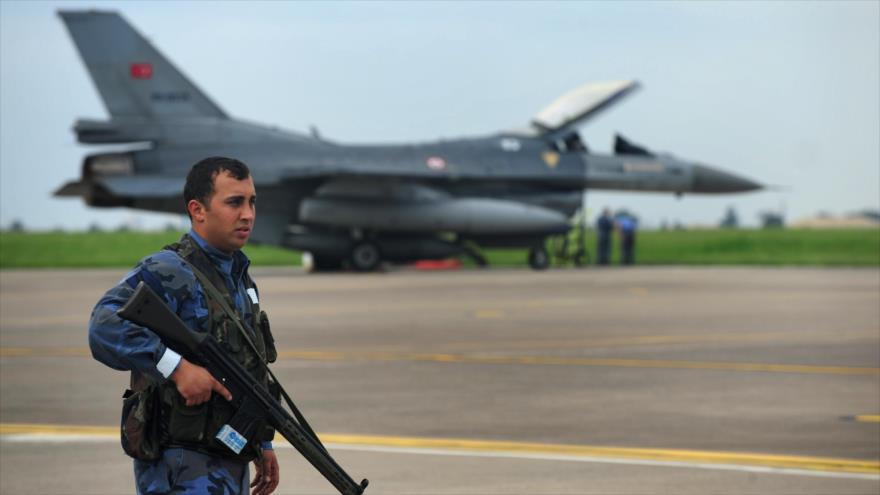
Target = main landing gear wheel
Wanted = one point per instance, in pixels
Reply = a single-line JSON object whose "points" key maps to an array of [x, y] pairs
{"points": [[538, 258], [365, 256]]}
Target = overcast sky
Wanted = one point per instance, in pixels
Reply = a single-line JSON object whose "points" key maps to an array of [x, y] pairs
{"points": [[786, 93]]}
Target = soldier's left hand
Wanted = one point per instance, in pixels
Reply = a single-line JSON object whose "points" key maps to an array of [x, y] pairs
{"points": [[266, 477]]}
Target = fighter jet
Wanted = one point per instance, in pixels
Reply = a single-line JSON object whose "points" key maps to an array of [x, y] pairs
{"points": [[357, 206]]}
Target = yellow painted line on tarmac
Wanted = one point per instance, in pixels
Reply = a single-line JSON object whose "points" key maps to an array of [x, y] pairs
{"points": [[603, 342], [489, 314], [868, 418], [60, 430], [572, 361], [518, 360], [669, 455], [524, 449], [599, 342], [464, 306]]}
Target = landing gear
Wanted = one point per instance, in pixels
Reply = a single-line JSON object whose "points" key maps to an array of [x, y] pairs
{"points": [[474, 254], [326, 263], [365, 256], [538, 258]]}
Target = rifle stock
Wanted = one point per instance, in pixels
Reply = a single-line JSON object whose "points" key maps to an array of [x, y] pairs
{"points": [[147, 309]]}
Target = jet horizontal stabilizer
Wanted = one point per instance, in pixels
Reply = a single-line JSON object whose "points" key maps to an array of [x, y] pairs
{"points": [[143, 186], [73, 189], [105, 132], [146, 192]]}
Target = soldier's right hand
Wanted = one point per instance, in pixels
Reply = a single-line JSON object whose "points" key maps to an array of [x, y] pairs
{"points": [[195, 383]]}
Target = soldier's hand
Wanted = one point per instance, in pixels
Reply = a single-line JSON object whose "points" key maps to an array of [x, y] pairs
{"points": [[267, 474], [195, 383]]}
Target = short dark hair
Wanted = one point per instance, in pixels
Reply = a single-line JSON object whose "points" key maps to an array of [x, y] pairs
{"points": [[200, 179]]}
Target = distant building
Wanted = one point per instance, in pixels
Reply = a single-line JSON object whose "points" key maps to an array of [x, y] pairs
{"points": [[865, 219]]}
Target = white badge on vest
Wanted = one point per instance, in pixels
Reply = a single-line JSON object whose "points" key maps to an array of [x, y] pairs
{"points": [[253, 293], [231, 438]]}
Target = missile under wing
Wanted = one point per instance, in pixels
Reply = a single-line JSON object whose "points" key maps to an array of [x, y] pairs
{"points": [[356, 205]]}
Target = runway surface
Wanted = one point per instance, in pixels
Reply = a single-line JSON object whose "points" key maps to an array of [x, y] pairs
{"points": [[625, 381]]}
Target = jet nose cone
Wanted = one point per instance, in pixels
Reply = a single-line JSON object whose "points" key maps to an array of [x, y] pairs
{"points": [[712, 180]]}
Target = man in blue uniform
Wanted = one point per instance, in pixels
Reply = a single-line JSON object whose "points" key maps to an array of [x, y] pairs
{"points": [[180, 401], [627, 226], [604, 227]]}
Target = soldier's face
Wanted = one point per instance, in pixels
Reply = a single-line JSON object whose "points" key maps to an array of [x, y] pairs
{"points": [[227, 220]]}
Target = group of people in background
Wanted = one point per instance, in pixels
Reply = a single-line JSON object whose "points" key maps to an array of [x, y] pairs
{"points": [[625, 225]]}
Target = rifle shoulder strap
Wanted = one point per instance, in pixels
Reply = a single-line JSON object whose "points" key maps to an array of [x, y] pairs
{"points": [[215, 293]]}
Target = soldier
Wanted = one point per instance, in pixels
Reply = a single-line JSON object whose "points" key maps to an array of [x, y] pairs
{"points": [[175, 407], [627, 226], [604, 227]]}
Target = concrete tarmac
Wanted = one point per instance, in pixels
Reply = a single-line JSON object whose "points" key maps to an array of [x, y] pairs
{"points": [[625, 381]]}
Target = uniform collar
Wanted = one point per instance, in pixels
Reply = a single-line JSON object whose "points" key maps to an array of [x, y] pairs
{"points": [[232, 265]]}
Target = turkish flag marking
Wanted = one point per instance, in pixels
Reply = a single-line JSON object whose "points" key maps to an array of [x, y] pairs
{"points": [[141, 70]]}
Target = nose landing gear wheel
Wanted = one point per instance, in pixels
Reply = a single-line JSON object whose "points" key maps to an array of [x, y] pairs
{"points": [[365, 256]]}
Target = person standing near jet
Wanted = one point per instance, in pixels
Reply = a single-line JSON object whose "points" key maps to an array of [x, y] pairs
{"points": [[604, 228], [180, 406], [626, 224]]}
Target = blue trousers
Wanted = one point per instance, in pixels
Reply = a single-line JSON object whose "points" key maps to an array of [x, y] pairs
{"points": [[186, 472]]}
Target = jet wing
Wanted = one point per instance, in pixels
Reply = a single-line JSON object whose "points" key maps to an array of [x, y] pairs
{"points": [[578, 105]]}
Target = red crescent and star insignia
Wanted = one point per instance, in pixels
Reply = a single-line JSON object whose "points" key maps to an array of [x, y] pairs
{"points": [[141, 70]]}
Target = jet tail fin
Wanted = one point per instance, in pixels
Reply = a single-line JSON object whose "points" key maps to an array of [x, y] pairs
{"points": [[134, 80]]}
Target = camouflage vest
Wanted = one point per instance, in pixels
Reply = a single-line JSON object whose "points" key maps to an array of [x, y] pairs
{"points": [[194, 427]]}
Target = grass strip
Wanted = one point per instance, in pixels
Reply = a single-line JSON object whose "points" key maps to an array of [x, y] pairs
{"points": [[771, 247], [766, 247]]}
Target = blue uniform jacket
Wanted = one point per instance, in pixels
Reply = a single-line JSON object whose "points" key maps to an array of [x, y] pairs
{"points": [[125, 346]]}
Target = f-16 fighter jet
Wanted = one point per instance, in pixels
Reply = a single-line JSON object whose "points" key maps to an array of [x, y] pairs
{"points": [[357, 206]]}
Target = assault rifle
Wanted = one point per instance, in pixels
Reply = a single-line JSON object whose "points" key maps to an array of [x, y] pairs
{"points": [[251, 398]]}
